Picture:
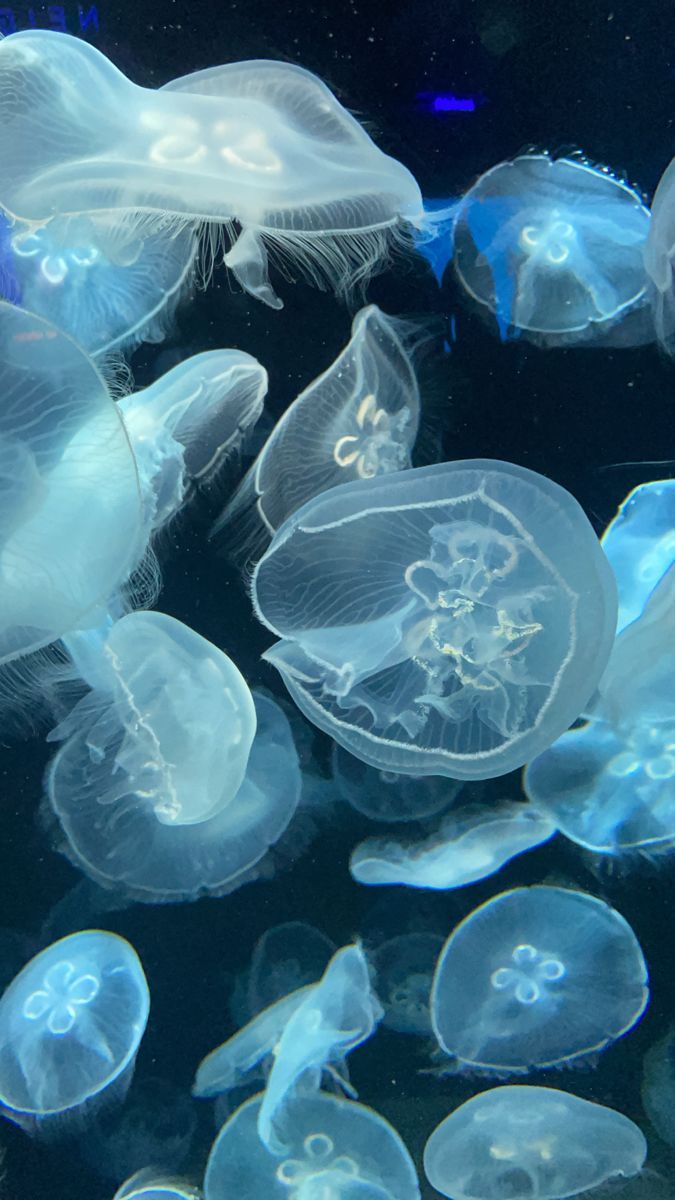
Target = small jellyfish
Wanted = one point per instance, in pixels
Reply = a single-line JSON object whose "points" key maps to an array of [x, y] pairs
{"points": [[357, 420], [404, 970], [157, 1123], [172, 780], [535, 978], [71, 1023], [386, 796], [659, 256], [530, 1143], [469, 845], [333, 1150], [285, 958], [553, 248], [640, 545], [448, 620], [150, 1184]]}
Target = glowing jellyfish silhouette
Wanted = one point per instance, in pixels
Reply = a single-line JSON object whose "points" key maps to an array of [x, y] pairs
{"points": [[537, 977], [265, 144], [469, 845], [530, 1143], [404, 970], [659, 255], [285, 958], [448, 620], [356, 420], [640, 545], [333, 1149], [172, 780], [150, 1184], [386, 796], [553, 248], [70, 1025]]}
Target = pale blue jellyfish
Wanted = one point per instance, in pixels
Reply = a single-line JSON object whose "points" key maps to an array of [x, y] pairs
{"points": [[531, 1143], [658, 1087], [659, 257], [386, 796], [156, 1123], [404, 970], [469, 845], [107, 297], [332, 1150], [448, 620], [71, 1023], [152, 1184], [537, 977], [265, 144], [553, 248], [285, 958], [172, 780], [356, 420], [640, 545]]}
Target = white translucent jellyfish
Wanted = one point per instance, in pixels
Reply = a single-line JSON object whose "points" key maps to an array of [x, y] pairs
{"points": [[339, 1013], [659, 256], [72, 272], [156, 1124], [468, 846], [151, 1184], [448, 620], [332, 1150], [535, 978], [172, 780], [265, 144], [553, 248], [640, 545], [70, 519], [357, 420], [404, 971], [530, 1143], [386, 796], [70, 1027], [285, 958]]}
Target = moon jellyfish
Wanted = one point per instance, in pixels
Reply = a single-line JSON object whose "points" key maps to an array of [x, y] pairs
{"points": [[339, 1013], [149, 1184], [448, 620], [357, 420], [404, 970], [285, 958], [66, 469], [640, 545], [386, 796], [553, 248], [468, 846], [265, 144], [106, 297], [658, 1087], [332, 1150], [172, 780], [530, 1143], [156, 1123], [535, 978], [659, 255], [71, 1023]]}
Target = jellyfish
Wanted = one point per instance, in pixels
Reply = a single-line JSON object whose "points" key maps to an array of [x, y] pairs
{"points": [[640, 545], [71, 1023], [449, 620], [157, 1123], [659, 254], [404, 970], [150, 1184], [531, 1143], [285, 958], [537, 977], [658, 1087], [468, 846], [71, 272], [357, 420], [265, 144], [333, 1149], [386, 796], [172, 780]]}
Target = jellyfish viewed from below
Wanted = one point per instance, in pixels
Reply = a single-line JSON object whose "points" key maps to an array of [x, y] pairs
{"points": [[71, 1023], [388, 797], [553, 248], [537, 977], [151, 1184], [404, 970], [357, 420], [531, 1143], [332, 1148], [640, 545], [262, 143], [468, 846], [448, 620], [172, 780]]}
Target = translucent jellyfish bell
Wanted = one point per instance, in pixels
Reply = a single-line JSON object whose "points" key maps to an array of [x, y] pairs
{"points": [[171, 781], [333, 1150], [150, 1184], [530, 1143], [448, 620], [640, 545], [659, 256], [286, 957], [537, 977], [70, 1025], [553, 248], [404, 970], [658, 1087], [265, 144], [386, 796]]}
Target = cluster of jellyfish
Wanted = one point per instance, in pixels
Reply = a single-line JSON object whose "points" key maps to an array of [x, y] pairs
{"points": [[443, 625]]}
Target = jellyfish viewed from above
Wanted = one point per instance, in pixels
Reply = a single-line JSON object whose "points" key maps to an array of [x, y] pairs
{"points": [[388, 797], [332, 1150], [469, 845], [150, 1184], [553, 248], [448, 620], [537, 977], [262, 143], [404, 970], [530, 1143], [172, 780], [357, 420], [71, 1023], [640, 545]]}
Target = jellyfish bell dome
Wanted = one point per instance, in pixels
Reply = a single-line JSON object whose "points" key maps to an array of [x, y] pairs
{"points": [[537, 977], [71, 1023], [530, 1143], [389, 797], [151, 1184], [640, 545], [554, 249], [404, 970]]}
